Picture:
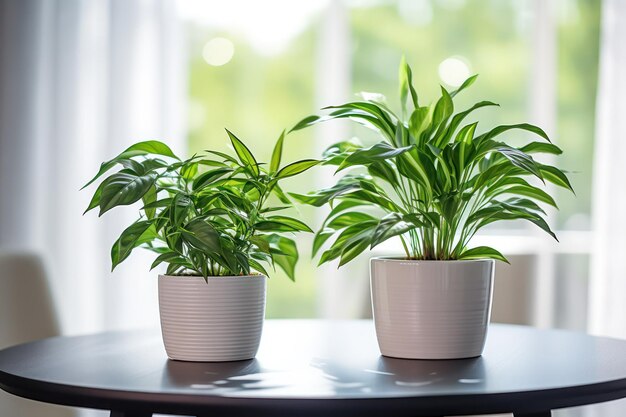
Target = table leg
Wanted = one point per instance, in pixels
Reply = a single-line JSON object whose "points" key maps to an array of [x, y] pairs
{"points": [[130, 414], [539, 414]]}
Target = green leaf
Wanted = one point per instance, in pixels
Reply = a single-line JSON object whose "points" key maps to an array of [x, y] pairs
{"points": [[285, 253], [443, 108], [541, 147], [244, 154], [378, 152], [389, 226], [139, 149], [349, 218], [203, 236], [277, 153], [385, 171], [181, 206], [296, 168], [522, 126], [123, 189], [168, 257], [419, 121], [555, 176], [532, 192], [257, 267], [406, 85], [149, 198], [282, 224], [260, 243], [468, 82], [95, 200], [306, 122], [136, 234], [482, 252], [320, 238], [206, 178]]}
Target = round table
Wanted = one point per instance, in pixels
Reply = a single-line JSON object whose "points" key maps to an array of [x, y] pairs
{"points": [[319, 368]]}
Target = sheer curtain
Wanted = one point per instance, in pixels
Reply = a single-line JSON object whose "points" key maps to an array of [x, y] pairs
{"points": [[607, 304], [608, 270], [80, 80]]}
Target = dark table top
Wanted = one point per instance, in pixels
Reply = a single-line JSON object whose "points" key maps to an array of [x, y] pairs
{"points": [[314, 367]]}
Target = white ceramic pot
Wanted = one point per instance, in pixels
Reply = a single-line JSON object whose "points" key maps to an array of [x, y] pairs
{"points": [[431, 309], [215, 321]]}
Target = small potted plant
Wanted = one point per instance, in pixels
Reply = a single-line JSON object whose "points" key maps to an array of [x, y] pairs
{"points": [[214, 220], [432, 182]]}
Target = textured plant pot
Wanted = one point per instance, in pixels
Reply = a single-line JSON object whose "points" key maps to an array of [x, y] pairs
{"points": [[215, 321], [431, 309]]}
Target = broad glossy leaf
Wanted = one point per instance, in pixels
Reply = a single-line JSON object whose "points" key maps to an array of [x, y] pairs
{"points": [[168, 257], [149, 198], [320, 238], [389, 226], [322, 197], [532, 192], [141, 148], [260, 243], [355, 247], [285, 253], [419, 121], [180, 208], [244, 154], [555, 176], [202, 235], [378, 152], [347, 235], [541, 147], [296, 168], [522, 126], [258, 267], [293, 224], [223, 155], [124, 189], [349, 218], [136, 234], [482, 252], [520, 160], [385, 171], [95, 200], [208, 177], [443, 108]]}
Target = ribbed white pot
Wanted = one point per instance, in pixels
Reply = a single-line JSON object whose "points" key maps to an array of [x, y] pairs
{"points": [[431, 309], [215, 321]]}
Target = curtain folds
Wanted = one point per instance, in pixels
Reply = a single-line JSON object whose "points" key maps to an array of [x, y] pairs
{"points": [[80, 81], [607, 308]]}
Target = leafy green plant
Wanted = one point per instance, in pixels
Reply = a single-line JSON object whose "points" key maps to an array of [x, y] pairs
{"points": [[433, 180], [213, 214]]}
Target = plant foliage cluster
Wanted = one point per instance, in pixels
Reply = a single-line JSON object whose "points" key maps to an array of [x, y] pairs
{"points": [[432, 180], [213, 214]]}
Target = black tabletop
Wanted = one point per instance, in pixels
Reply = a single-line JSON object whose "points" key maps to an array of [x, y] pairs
{"points": [[314, 367]]}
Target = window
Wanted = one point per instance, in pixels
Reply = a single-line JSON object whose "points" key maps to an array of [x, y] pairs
{"points": [[537, 59]]}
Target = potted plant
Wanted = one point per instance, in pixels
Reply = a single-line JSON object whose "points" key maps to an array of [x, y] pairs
{"points": [[214, 220], [432, 182]]}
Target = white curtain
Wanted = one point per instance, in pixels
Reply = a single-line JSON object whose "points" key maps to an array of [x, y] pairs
{"points": [[81, 80], [607, 303], [608, 270]]}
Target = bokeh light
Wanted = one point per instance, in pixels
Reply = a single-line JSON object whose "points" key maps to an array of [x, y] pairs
{"points": [[453, 71], [218, 51]]}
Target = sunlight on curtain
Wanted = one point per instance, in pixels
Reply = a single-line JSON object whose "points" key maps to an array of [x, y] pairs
{"points": [[84, 79]]}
